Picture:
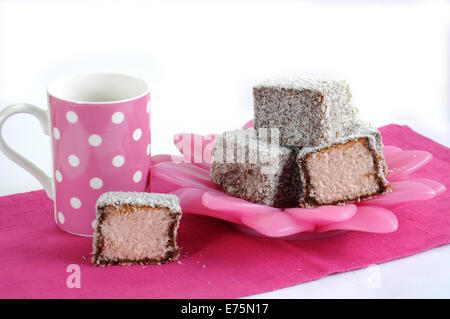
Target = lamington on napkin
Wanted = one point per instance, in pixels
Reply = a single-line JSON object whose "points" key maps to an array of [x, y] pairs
{"points": [[136, 228]]}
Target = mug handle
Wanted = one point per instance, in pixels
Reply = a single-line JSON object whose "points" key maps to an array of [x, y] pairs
{"points": [[42, 116]]}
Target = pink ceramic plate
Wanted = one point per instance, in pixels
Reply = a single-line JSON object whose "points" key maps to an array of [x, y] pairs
{"points": [[187, 176]]}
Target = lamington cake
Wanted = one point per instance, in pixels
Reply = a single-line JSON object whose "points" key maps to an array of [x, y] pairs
{"points": [[136, 228], [256, 169], [349, 169], [308, 112], [322, 154]]}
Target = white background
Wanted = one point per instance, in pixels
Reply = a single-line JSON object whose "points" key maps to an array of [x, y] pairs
{"points": [[202, 58]]}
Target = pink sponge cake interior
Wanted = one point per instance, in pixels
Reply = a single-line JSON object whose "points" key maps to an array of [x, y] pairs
{"points": [[136, 228], [347, 170]]}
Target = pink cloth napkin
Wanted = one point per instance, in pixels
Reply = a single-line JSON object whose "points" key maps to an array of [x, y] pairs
{"points": [[217, 261]]}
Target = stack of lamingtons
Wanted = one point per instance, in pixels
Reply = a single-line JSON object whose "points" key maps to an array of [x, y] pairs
{"points": [[306, 148]]}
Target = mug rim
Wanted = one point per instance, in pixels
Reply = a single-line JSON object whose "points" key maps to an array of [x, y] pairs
{"points": [[50, 88]]}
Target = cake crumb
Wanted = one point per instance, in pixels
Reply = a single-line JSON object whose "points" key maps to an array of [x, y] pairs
{"points": [[179, 262]]}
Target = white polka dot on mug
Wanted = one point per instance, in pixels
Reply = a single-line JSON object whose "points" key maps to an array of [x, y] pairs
{"points": [[72, 117]]}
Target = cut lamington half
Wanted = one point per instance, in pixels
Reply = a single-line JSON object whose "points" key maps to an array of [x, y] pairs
{"points": [[136, 228], [349, 169]]}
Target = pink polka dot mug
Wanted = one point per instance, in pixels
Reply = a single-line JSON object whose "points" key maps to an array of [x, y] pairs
{"points": [[99, 126]]}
